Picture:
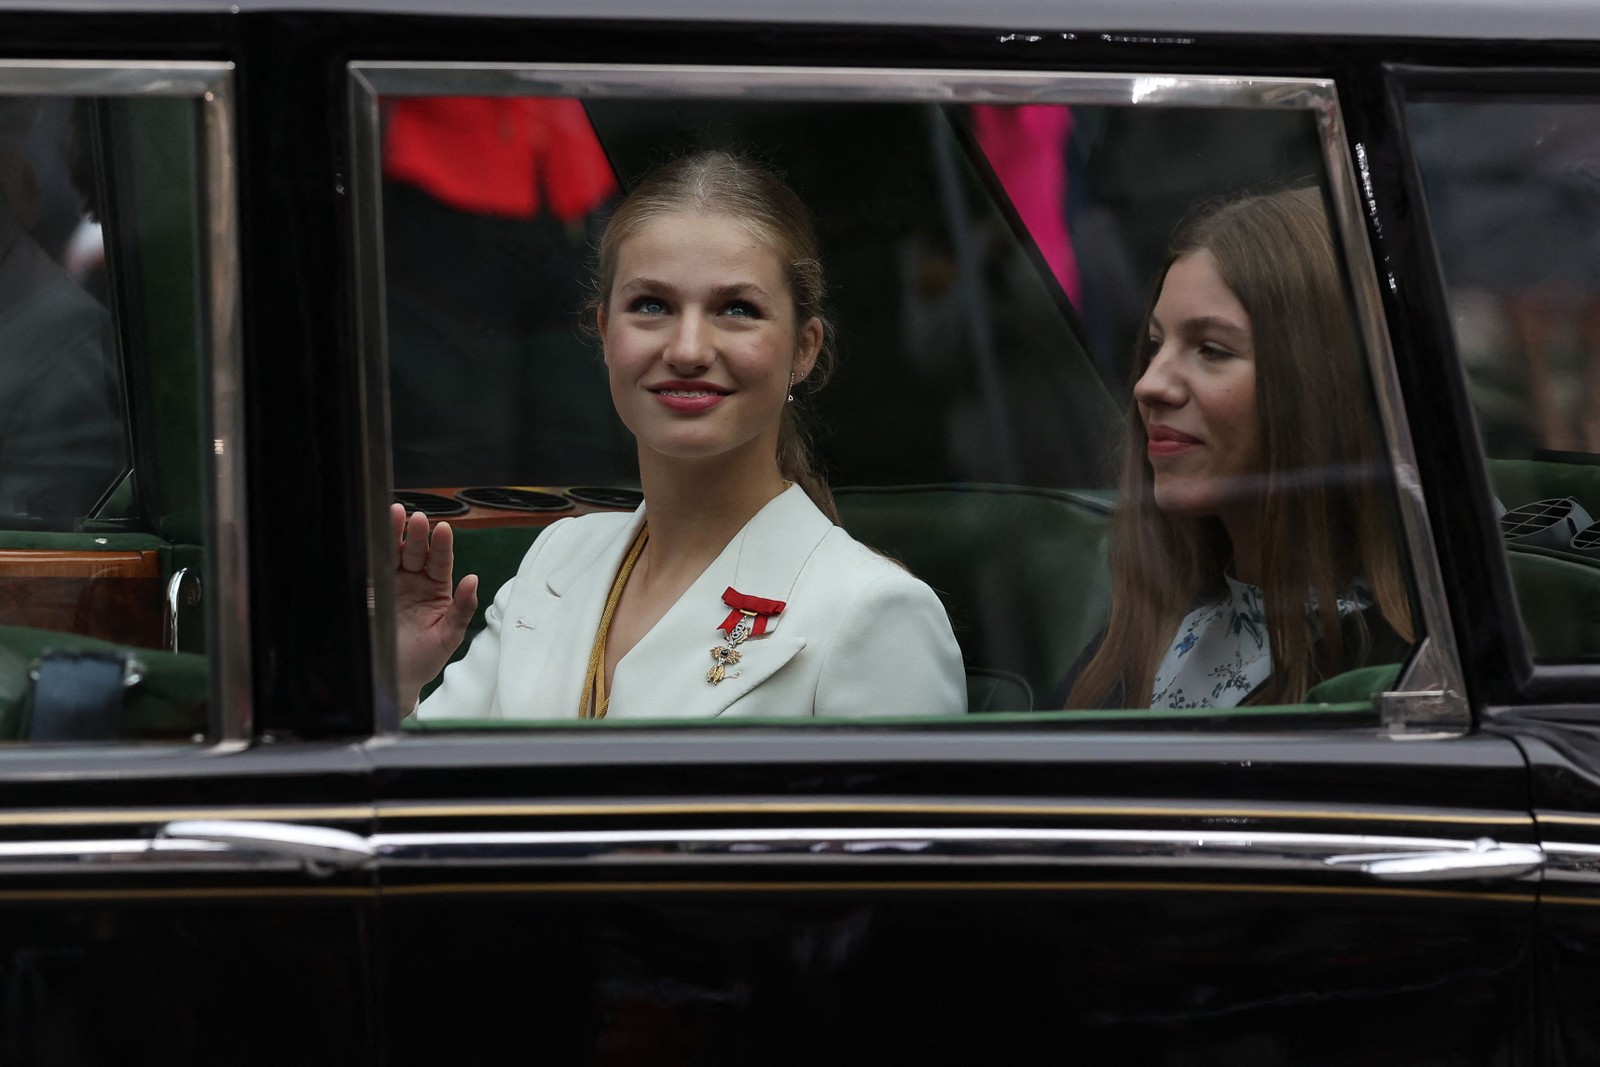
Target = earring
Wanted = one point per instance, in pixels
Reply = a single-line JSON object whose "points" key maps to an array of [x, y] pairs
{"points": [[791, 388]]}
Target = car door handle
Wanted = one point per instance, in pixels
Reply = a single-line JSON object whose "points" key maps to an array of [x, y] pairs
{"points": [[1486, 858], [319, 848]]}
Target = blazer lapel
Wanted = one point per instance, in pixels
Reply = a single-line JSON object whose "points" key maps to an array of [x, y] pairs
{"points": [[548, 631], [664, 675]]}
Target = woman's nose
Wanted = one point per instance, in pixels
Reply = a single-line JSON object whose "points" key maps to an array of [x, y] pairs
{"points": [[690, 343], [1160, 384]]}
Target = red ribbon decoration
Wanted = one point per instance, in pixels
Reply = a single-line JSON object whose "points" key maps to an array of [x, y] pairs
{"points": [[751, 605]]}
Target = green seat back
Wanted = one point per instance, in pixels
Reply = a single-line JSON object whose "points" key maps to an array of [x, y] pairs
{"points": [[168, 705], [1022, 572], [1560, 603], [1558, 591], [1522, 481], [1361, 684]]}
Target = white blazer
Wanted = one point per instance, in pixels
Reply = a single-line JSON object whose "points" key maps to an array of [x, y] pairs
{"points": [[858, 634]]}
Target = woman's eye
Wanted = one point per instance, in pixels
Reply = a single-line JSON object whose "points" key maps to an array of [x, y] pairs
{"points": [[1149, 347], [647, 305], [1212, 351], [742, 309]]}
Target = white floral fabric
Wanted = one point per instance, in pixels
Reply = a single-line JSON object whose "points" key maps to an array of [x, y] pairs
{"points": [[1222, 653]]}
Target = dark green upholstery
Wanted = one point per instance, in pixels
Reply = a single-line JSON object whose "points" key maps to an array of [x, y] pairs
{"points": [[1361, 684], [169, 704], [1559, 598], [1558, 592], [1522, 481], [42, 540], [1021, 571]]}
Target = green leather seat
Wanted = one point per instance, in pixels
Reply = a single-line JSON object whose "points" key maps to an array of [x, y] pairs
{"points": [[1558, 592], [1560, 603], [168, 705]]}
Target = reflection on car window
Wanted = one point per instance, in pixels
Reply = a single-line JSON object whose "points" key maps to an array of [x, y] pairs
{"points": [[61, 429], [991, 275], [101, 533], [1513, 190]]}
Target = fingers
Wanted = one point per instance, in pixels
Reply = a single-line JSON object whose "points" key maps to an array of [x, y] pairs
{"points": [[397, 524], [465, 602], [442, 553], [414, 549]]}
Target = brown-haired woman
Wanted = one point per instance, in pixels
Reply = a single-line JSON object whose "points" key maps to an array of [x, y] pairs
{"points": [[732, 589], [1253, 554]]}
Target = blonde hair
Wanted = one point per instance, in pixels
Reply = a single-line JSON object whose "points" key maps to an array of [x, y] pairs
{"points": [[1323, 509], [720, 183]]}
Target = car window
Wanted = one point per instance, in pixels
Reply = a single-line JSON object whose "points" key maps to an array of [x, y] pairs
{"points": [[1513, 192], [993, 272], [107, 342]]}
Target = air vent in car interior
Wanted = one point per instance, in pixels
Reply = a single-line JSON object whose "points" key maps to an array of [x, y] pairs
{"points": [[1549, 523], [600, 496], [1587, 541], [431, 504], [506, 498]]}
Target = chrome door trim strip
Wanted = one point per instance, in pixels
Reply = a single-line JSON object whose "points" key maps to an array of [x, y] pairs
{"points": [[188, 846], [989, 846], [1429, 699], [1569, 862], [131, 855]]}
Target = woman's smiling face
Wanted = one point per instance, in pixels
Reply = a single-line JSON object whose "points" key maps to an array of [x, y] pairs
{"points": [[1197, 395], [700, 337]]}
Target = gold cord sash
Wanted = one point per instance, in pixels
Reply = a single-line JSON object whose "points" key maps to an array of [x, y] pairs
{"points": [[592, 703]]}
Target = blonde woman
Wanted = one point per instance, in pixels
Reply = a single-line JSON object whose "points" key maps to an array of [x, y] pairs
{"points": [[731, 590]]}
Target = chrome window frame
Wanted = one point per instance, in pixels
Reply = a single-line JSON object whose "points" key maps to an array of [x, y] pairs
{"points": [[210, 85], [1429, 699]]}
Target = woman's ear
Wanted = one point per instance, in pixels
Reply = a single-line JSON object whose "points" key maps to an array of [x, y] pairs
{"points": [[600, 329], [810, 347]]}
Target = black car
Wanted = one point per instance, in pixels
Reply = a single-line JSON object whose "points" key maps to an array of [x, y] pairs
{"points": [[266, 268]]}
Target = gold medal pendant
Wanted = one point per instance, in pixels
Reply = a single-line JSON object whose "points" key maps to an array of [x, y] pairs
{"points": [[727, 654]]}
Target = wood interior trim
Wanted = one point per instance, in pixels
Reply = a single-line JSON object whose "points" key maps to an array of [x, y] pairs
{"points": [[65, 563]]}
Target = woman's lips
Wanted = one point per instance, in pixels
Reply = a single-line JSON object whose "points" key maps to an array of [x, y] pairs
{"points": [[1165, 441], [688, 398]]}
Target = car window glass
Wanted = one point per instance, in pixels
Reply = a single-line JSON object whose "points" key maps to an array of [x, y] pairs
{"points": [[990, 273], [102, 441], [1513, 189]]}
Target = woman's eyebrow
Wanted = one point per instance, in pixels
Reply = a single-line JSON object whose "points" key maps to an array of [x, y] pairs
{"points": [[720, 292], [738, 289], [650, 284], [1215, 323]]}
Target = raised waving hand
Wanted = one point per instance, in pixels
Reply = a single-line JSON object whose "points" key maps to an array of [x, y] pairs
{"points": [[430, 617]]}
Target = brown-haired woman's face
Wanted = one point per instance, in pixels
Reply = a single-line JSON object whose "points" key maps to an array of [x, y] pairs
{"points": [[700, 337], [1197, 395]]}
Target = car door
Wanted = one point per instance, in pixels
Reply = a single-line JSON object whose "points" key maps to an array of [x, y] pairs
{"points": [[1352, 879], [172, 889]]}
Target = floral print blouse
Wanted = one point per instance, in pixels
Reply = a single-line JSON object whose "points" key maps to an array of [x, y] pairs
{"points": [[1221, 652]]}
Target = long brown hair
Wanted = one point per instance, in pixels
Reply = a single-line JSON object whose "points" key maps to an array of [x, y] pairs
{"points": [[1323, 511], [719, 183]]}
